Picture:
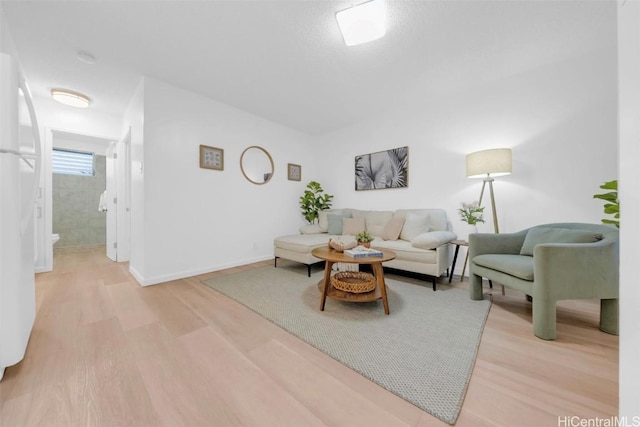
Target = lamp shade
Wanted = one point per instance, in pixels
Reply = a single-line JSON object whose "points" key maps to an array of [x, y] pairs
{"points": [[362, 23], [495, 162]]}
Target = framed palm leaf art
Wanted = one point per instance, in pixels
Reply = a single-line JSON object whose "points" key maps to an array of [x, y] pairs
{"points": [[384, 169]]}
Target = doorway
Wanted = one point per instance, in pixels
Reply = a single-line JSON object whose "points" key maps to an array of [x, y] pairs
{"points": [[83, 210], [78, 166]]}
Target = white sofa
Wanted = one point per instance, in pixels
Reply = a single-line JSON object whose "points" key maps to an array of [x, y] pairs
{"points": [[419, 237]]}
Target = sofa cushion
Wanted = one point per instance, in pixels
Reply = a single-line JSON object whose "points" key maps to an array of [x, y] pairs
{"points": [[310, 229], [357, 213], [302, 243], [392, 228], [437, 217], [335, 222], [404, 251], [539, 235], [414, 225], [514, 265], [352, 226], [433, 239], [377, 220]]}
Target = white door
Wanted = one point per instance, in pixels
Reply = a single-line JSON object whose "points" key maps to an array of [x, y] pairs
{"points": [[123, 168], [111, 200]]}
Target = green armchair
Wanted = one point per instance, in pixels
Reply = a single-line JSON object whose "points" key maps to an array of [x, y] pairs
{"points": [[551, 262]]}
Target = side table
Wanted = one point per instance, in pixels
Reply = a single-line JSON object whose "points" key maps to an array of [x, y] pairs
{"points": [[459, 243]]}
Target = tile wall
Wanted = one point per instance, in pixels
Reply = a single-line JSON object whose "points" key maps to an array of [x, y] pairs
{"points": [[75, 208]]}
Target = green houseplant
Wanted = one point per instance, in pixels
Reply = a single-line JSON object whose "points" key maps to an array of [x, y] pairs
{"points": [[364, 238], [612, 205], [313, 201]]}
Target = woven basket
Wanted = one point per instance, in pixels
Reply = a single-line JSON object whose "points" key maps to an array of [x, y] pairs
{"points": [[355, 282]]}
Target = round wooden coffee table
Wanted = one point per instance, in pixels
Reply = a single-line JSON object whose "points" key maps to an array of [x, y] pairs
{"points": [[332, 256]]}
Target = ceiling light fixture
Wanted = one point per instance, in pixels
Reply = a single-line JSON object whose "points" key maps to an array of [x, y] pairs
{"points": [[362, 23], [70, 98]]}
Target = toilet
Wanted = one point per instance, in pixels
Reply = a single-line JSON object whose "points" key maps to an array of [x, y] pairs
{"points": [[54, 238]]}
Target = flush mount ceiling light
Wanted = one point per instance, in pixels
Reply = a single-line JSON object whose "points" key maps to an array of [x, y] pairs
{"points": [[70, 98], [362, 23]]}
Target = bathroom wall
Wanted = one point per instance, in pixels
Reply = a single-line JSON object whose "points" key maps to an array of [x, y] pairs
{"points": [[75, 208]]}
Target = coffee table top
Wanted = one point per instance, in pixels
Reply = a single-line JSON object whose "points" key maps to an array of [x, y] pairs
{"points": [[329, 254]]}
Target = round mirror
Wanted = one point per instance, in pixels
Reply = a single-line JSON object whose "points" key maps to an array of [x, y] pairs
{"points": [[256, 165]]}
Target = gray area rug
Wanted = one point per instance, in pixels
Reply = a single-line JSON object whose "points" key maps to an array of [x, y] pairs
{"points": [[423, 351]]}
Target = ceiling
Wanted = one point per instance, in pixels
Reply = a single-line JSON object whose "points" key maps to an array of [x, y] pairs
{"points": [[285, 60]]}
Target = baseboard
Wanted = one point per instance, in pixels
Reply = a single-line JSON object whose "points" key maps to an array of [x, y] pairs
{"points": [[139, 278], [156, 280]]}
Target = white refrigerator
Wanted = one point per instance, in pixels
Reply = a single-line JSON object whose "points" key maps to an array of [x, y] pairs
{"points": [[19, 182]]}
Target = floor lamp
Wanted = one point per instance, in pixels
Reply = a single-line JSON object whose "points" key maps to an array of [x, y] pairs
{"points": [[488, 164]]}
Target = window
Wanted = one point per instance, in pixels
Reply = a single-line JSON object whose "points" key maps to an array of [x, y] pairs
{"points": [[72, 162]]}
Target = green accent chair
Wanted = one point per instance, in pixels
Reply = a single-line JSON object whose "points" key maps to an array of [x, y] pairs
{"points": [[551, 262]]}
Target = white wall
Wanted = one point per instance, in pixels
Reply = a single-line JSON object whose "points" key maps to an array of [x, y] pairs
{"points": [[559, 119], [629, 89], [7, 44], [198, 220], [80, 121]]}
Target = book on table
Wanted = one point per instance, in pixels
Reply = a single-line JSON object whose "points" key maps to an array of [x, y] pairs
{"points": [[362, 252]]}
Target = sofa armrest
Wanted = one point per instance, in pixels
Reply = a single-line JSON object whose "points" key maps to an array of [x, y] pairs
{"points": [[433, 239], [508, 243], [310, 229]]}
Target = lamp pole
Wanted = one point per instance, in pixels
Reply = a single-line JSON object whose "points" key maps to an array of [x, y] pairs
{"points": [[489, 180]]}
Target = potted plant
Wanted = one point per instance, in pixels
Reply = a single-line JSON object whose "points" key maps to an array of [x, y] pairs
{"points": [[471, 213], [612, 205], [364, 238], [313, 201]]}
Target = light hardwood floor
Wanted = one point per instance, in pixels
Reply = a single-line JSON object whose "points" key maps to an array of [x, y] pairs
{"points": [[105, 351]]}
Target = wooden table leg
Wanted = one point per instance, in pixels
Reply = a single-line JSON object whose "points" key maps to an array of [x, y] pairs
{"points": [[325, 282], [379, 273], [464, 267]]}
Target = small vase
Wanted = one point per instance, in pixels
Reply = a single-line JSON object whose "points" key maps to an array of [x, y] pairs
{"points": [[365, 244], [471, 228]]}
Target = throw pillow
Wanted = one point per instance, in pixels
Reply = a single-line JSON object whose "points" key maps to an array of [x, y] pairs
{"points": [[352, 226], [414, 225], [433, 239], [335, 223], [393, 228], [536, 236], [323, 222]]}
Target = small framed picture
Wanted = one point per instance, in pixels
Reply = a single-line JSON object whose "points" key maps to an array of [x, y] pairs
{"points": [[294, 172], [211, 158]]}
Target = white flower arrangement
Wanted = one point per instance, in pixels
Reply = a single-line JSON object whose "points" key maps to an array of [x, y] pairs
{"points": [[471, 213]]}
